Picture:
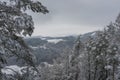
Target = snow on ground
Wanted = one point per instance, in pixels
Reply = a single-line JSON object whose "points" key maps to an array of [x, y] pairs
{"points": [[47, 64], [12, 69], [55, 41]]}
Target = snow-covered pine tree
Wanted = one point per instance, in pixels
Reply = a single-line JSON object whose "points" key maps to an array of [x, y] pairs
{"points": [[14, 24], [88, 59], [113, 49], [100, 52], [75, 60]]}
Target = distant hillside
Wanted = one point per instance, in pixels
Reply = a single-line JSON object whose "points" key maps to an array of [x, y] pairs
{"points": [[48, 48]]}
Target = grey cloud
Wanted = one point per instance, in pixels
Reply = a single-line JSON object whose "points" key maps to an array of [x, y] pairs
{"points": [[80, 12]]}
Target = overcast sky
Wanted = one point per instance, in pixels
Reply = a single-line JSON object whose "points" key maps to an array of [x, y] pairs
{"points": [[68, 17]]}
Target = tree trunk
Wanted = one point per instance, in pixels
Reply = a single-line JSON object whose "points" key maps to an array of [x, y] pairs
{"points": [[113, 75], [89, 71], [94, 78]]}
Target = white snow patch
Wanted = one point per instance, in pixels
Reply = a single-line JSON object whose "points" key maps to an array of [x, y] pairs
{"points": [[43, 38], [47, 64], [55, 40], [93, 34], [12, 69], [43, 47], [37, 47], [34, 47], [108, 67], [81, 55]]}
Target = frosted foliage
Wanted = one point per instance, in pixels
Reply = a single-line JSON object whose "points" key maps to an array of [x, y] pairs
{"points": [[24, 24], [14, 24]]}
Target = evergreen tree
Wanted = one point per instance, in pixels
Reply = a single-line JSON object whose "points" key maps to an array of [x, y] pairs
{"points": [[14, 24]]}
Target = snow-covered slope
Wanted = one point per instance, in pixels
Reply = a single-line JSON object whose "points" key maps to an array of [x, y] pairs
{"points": [[55, 40]]}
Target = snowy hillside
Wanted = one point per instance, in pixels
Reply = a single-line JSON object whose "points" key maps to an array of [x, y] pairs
{"points": [[48, 48]]}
